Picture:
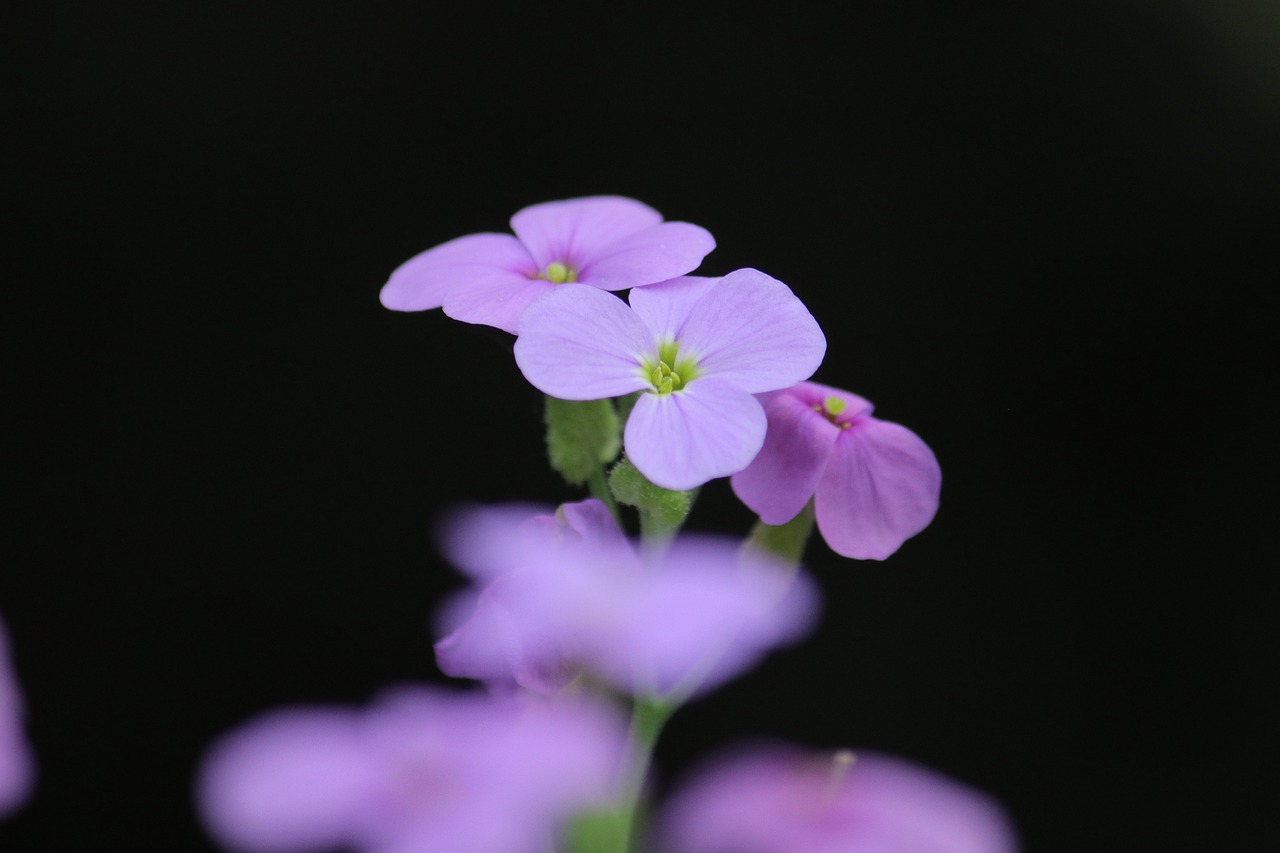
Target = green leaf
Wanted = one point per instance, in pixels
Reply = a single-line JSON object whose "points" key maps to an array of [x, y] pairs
{"points": [[581, 436]]}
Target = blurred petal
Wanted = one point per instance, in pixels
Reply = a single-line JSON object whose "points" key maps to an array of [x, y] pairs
{"points": [[665, 306], [17, 767], [573, 230], [580, 343], [426, 280], [785, 800], [486, 541], [652, 255], [496, 300], [681, 440], [292, 780], [880, 488], [785, 473], [750, 329]]}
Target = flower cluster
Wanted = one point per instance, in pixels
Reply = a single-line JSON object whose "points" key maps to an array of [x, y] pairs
{"points": [[568, 620]]}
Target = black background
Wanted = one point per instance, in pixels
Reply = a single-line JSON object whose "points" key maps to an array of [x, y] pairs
{"points": [[1036, 233]]}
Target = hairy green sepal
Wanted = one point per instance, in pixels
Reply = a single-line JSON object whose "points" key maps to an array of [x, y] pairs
{"points": [[581, 436], [662, 511], [785, 541]]}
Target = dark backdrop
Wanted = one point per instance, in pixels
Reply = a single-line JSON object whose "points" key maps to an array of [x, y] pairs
{"points": [[1033, 232]]}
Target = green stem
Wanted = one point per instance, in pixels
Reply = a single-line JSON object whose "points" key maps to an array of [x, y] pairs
{"points": [[783, 541], [647, 719], [600, 489]]}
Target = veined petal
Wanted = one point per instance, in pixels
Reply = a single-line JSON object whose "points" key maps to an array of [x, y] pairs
{"points": [[426, 280], [880, 488], [750, 329], [496, 300], [655, 254], [580, 343], [665, 306], [681, 440], [785, 473], [570, 231]]}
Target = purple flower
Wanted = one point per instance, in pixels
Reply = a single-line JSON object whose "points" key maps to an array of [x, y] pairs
{"points": [[608, 242], [874, 484], [17, 768], [420, 770], [692, 618], [783, 800], [698, 347]]}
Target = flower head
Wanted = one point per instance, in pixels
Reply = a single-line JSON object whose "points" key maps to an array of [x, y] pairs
{"points": [[692, 618], [698, 348], [784, 800], [420, 770], [17, 769], [608, 242], [874, 484]]}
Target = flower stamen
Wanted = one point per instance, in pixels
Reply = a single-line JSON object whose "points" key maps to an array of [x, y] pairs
{"points": [[558, 273]]}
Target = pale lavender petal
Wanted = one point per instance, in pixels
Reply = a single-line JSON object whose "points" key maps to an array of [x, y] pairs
{"points": [[573, 230], [880, 488], [704, 615], [496, 300], [17, 767], [776, 799], [591, 520], [652, 255], [486, 541], [783, 476], [681, 440], [750, 329], [580, 343], [665, 306], [292, 780], [426, 280], [814, 394]]}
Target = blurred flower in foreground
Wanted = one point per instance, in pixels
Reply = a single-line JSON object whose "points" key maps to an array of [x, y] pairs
{"points": [[698, 348], [608, 242], [559, 594], [874, 484], [784, 800], [17, 768], [423, 769]]}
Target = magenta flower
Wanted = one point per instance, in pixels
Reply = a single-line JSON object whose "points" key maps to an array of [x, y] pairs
{"points": [[584, 600], [699, 348], [17, 768], [874, 484], [608, 242], [420, 770], [783, 800]]}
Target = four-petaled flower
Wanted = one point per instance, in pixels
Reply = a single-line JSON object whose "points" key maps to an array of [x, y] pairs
{"points": [[698, 348], [608, 242], [422, 769], [780, 799], [570, 593], [874, 484]]}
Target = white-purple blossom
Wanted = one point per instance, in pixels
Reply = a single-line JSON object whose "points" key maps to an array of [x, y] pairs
{"points": [[17, 767], [698, 348], [784, 800], [874, 484], [577, 596], [608, 242], [422, 769]]}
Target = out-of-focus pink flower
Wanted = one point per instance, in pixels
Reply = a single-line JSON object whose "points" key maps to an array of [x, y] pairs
{"points": [[583, 599], [784, 800], [17, 767], [698, 349], [874, 484], [421, 770], [608, 242]]}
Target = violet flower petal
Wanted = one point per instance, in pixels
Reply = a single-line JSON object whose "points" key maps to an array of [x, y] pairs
{"points": [[665, 306], [710, 429], [496, 300], [750, 329], [580, 343], [652, 255], [880, 488], [575, 230], [784, 800], [17, 767], [785, 473], [426, 280]]}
